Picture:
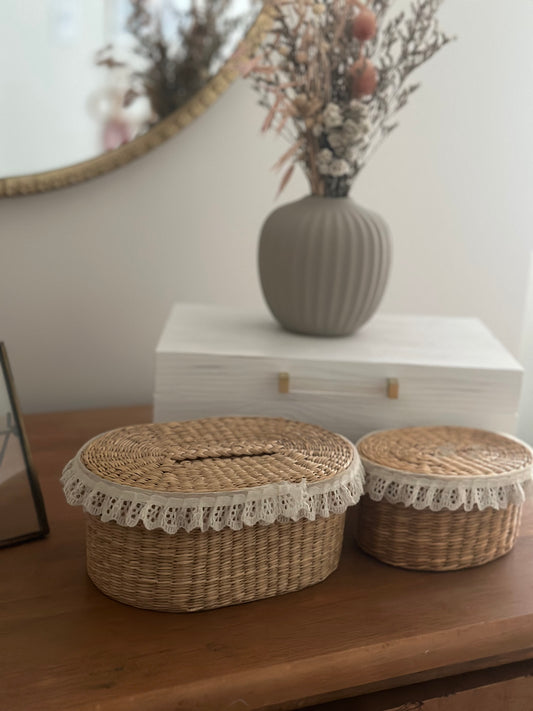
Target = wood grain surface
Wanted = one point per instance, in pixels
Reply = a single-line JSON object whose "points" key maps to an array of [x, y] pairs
{"points": [[63, 645], [511, 695]]}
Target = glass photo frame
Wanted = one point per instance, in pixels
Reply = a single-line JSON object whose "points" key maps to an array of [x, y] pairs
{"points": [[22, 513]]}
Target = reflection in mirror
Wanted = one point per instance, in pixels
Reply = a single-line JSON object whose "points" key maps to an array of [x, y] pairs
{"points": [[22, 515], [166, 54], [81, 77]]}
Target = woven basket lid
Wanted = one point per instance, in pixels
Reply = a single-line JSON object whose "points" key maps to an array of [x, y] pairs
{"points": [[213, 473], [446, 467]]}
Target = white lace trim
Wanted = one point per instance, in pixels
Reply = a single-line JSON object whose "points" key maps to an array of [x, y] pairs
{"points": [[127, 505], [433, 492]]}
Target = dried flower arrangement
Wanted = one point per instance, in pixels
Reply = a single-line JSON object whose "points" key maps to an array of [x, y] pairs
{"points": [[173, 57], [332, 73]]}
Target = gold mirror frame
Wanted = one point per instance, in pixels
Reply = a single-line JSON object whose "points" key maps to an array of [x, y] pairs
{"points": [[79, 172]]}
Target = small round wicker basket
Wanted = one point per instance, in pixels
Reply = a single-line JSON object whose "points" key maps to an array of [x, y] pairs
{"points": [[194, 515], [441, 498]]}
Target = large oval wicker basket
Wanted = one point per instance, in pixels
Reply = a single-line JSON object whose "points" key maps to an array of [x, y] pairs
{"points": [[194, 515], [441, 498]]}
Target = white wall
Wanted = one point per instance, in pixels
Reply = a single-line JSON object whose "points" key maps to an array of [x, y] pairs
{"points": [[88, 274]]}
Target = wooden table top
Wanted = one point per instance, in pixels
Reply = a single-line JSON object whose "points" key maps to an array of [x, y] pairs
{"points": [[64, 645]]}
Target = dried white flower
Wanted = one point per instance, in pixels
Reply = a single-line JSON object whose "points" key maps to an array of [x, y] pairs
{"points": [[352, 154], [339, 168], [324, 159], [358, 112], [318, 130], [332, 116], [352, 130], [337, 141], [357, 106], [325, 156]]}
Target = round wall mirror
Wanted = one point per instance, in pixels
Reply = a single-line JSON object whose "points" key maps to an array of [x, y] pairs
{"points": [[88, 86]]}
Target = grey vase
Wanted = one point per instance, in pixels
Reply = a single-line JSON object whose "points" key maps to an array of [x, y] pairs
{"points": [[324, 265]]}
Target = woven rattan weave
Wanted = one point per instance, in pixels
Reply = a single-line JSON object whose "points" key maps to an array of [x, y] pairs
{"points": [[441, 498], [202, 570], [447, 451], [216, 454], [207, 481]]}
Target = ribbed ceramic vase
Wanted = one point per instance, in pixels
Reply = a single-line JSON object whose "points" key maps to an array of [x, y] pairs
{"points": [[324, 264]]}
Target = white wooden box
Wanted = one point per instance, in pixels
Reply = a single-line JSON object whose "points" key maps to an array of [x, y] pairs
{"points": [[213, 361]]}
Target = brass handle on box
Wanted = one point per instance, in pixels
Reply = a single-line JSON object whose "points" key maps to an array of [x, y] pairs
{"points": [[283, 383], [393, 388]]}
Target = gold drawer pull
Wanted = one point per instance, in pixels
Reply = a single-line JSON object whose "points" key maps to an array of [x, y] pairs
{"points": [[393, 388], [283, 383]]}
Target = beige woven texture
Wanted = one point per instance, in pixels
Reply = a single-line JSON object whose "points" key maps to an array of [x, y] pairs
{"points": [[202, 570], [445, 451], [216, 454], [198, 571], [439, 540]]}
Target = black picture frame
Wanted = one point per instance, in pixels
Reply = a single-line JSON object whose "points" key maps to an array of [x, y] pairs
{"points": [[15, 428]]}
